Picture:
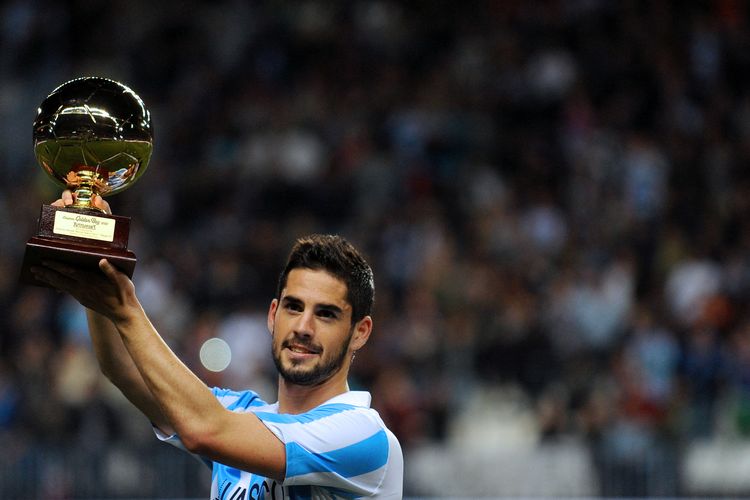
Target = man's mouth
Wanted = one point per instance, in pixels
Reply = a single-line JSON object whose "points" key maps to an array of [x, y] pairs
{"points": [[302, 349]]}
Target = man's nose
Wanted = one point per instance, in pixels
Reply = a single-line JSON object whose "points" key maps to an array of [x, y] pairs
{"points": [[305, 324]]}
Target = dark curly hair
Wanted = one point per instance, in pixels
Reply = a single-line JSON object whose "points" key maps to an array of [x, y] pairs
{"points": [[337, 256]]}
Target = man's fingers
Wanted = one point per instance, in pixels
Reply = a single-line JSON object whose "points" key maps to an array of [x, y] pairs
{"points": [[67, 197], [111, 272], [78, 274], [108, 269], [64, 269], [100, 203], [51, 277], [101, 291]]}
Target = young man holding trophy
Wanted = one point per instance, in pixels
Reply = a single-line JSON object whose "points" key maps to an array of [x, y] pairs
{"points": [[319, 440]]}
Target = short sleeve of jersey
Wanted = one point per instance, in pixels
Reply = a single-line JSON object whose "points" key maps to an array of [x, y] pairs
{"points": [[231, 400], [337, 446], [237, 400]]}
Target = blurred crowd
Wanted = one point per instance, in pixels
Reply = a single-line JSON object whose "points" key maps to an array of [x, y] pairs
{"points": [[554, 197]]}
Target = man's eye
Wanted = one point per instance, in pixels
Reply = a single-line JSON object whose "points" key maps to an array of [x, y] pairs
{"points": [[290, 306], [326, 314]]}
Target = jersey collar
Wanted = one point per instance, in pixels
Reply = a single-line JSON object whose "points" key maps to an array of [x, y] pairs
{"points": [[354, 398]]}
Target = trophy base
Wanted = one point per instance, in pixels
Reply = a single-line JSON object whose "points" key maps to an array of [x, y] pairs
{"points": [[76, 250]]}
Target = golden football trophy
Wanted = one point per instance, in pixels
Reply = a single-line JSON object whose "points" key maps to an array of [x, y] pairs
{"points": [[93, 136]]}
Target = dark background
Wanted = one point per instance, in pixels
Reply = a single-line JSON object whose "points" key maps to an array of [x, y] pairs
{"points": [[554, 197]]}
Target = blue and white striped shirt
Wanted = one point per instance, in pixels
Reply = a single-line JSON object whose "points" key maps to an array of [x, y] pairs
{"points": [[340, 449]]}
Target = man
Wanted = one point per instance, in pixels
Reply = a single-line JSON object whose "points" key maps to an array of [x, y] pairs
{"points": [[319, 440]]}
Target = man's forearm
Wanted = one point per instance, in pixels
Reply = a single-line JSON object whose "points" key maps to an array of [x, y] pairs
{"points": [[147, 371], [205, 427], [181, 396], [117, 365]]}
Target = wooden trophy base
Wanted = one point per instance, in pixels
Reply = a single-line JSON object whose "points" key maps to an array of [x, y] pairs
{"points": [[79, 238]]}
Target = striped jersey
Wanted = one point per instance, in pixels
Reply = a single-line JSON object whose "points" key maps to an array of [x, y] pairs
{"points": [[340, 449]]}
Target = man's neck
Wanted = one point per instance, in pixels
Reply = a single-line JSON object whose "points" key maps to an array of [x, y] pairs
{"points": [[296, 399]]}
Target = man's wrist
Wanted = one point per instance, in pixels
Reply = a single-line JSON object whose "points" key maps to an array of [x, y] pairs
{"points": [[128, 317]]}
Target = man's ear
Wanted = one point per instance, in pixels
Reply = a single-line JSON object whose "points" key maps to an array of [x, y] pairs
{"points": [[271, 319], [361, 334]]}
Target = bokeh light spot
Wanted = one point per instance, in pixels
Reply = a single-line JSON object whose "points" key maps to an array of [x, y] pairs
{"points": [[215, 354]]}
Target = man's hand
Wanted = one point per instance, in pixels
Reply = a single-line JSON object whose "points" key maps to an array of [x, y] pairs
{"points": [[68, 198], [110, 292]]}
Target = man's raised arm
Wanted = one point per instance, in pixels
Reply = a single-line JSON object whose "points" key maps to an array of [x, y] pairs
{"points": [[114, 360], [204, 426], [117, 365]]}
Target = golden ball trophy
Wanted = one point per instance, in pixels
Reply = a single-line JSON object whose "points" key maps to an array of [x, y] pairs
{"points": [[92, 136]]}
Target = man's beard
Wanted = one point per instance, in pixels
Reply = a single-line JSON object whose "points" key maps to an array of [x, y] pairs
{"points": [[317, 374]]}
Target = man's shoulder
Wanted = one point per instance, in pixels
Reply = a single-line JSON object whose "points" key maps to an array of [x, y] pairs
{"points": [[346, 405], [239, 400], [341, 444]]}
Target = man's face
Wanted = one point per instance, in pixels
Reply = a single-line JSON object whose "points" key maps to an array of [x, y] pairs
{"points": [[311, 327]]}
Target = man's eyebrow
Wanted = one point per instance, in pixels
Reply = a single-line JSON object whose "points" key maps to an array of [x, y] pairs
{"points": [[329, 307], [291, 299]]}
